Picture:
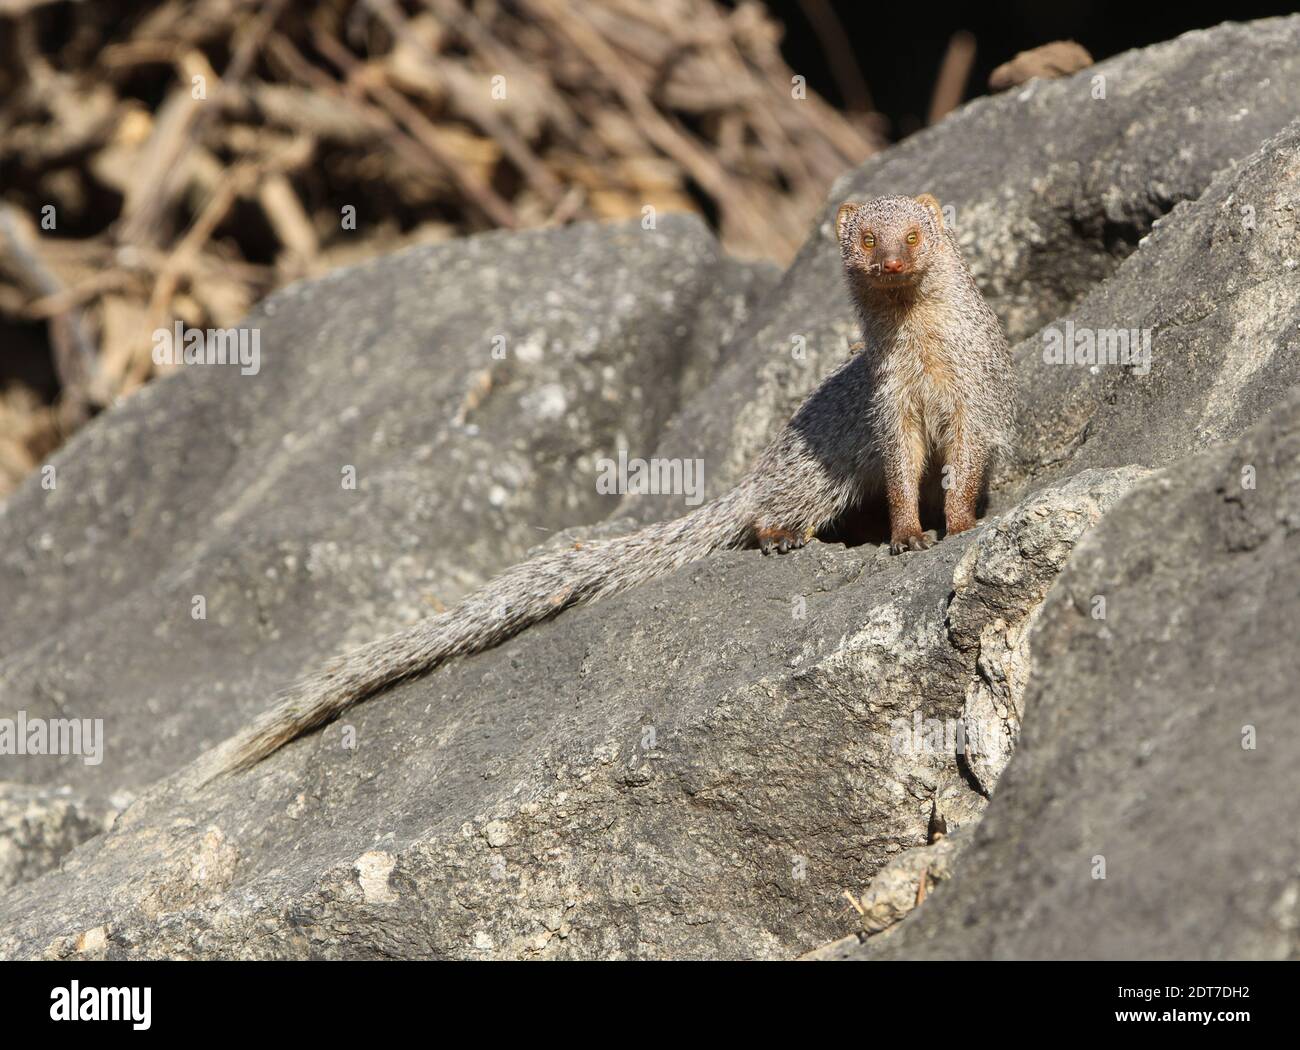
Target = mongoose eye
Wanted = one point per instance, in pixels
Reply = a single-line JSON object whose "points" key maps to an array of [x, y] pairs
{"points": [[868, 240], [913, 237]]}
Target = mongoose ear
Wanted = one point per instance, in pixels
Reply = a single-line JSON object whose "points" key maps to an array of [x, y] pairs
{"points": [[843, 215], [930, 201]]}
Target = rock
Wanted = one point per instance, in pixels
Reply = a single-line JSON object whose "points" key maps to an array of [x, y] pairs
{"points": [[702, 767], [228, 488], [698, 768], [1060, 58], [39, 825], [1216, 286], [998, 588], [1161, 744], [905, 882]]}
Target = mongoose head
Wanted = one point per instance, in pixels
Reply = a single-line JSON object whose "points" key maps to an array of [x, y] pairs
{"points": [[890, 242]]}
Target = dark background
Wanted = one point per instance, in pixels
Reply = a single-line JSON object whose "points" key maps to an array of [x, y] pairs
{"points": [[899, 46]]}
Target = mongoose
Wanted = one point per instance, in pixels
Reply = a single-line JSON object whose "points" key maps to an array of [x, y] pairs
{"points": [[932, 387]]}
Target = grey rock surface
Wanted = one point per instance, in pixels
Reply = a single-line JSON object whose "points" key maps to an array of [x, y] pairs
{"points": [[695, 769], [1216, 285], [897, 889], [39, 826], [702, 767], [1162, 740], [231, 488]]}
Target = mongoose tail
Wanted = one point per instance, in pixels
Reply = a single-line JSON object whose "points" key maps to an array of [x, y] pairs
{"points": [[523, 595]]}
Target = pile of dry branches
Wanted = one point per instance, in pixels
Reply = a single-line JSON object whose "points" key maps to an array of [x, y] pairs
{"points": [[180, 159]]}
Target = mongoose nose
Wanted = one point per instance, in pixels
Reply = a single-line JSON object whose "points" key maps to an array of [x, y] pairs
{"points": [[894, 266]]}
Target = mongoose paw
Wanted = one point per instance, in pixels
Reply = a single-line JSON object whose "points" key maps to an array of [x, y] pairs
{"points": [[920, 541], [780, 540]]}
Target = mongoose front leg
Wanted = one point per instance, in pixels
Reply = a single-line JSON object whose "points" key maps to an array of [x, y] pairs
{"points": [[963, 480], [903, 494]]}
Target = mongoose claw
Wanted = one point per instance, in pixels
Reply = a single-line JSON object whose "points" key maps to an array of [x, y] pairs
{"points": [[921, 541], [783, 541]]}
